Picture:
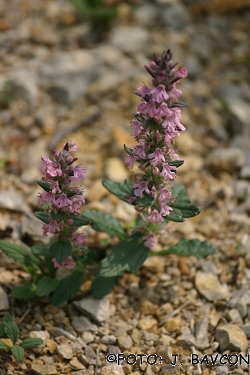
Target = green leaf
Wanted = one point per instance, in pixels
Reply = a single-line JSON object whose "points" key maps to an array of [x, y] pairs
{"points": [[44, 185], [24, 292], [46, 285], [61, 250], [102, 286], [57, 216], [43, 216], [29, 343], [182, 208], [79, 221], [2, 330], [67, 288], [10, 327], [128, 150], [20, 254], [128, 255], [3, 345], [104, 222], [41, 249], [175, 163], [187, 248], [122, 191], [126, 191], [18, 353]]}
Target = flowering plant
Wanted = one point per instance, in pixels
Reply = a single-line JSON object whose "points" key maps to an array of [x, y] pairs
{"points": [[151, 191]]}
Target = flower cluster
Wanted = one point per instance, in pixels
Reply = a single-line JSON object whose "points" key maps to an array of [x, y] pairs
{"points": [[62, 199], [156, 125]]}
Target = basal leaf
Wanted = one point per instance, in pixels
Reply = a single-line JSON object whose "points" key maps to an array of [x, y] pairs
{"points": [[128, 255], [46, 285], [104, 222], [61, 250], [30, 343], [67, 288], [18, 353], [43, 216], [10, 327], [20, 254], [41, 250], [3, 345], [102, 286], [194, 247], [24, 292]]}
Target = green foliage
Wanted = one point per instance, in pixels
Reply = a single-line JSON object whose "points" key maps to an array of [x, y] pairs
{"points": [[102, 286], [22, 255], [182, 208], [67, 288], [127, 255], [104, 222], [9, 328], [187, 248], [61, 250]]}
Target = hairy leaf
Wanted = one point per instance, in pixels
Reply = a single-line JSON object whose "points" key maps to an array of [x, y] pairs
{"points": [[194, 247], [29, 343], [24, 292], [10, 327], [61, 250], [20, 254], [128, 255], [104, 222], [18, 353], [67, 288], [46, 285], [102, 286]]}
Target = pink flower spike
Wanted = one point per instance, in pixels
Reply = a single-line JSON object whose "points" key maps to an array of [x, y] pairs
{"points": [[165, 210], [140, 188], [155, 217], [156, 157], [79, 173], [53, 170], [159, 94], [150, 240], [167, 171], [63, 201], [130, 161]]}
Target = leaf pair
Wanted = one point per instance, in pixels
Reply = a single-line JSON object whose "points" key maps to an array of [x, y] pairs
{"points": [[9, 328]]}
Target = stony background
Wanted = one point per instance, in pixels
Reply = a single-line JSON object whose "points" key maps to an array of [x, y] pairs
{"points": [[59, 80]]}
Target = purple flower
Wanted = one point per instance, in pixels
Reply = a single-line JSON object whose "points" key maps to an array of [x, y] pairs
{"points": [[140, 188], [155, 217], [149, 240], [156, 157]]}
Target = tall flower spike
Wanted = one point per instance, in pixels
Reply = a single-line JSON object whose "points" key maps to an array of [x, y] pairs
{"points": [[157, 124], [61, 196]]}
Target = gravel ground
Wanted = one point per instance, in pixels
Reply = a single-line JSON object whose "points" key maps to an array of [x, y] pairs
{"points": [[59, 80]]}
